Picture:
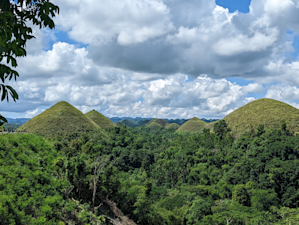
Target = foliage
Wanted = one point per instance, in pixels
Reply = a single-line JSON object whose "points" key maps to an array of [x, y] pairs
{"points": [[163, 177]]}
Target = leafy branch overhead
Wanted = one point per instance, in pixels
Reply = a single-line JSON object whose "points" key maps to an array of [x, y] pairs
{"points": [[14, 33]]}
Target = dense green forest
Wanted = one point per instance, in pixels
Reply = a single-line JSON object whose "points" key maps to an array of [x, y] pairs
{"points": [[151, 176]]}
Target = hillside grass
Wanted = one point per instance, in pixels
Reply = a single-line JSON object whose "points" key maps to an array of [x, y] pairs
{"points": [[263, 111], [193, 125], [100, 119], [211, 125], [153, 125], [62, 118], [161, 122], [172, 126]]}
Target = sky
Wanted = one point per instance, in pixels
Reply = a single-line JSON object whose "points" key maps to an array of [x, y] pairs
{"points": [[161, 58]]}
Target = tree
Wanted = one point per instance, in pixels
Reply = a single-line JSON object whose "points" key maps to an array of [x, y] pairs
{"points": [[15, 32]]}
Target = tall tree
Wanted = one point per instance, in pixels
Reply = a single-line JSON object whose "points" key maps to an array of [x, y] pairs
{"points": [[15, 32]]}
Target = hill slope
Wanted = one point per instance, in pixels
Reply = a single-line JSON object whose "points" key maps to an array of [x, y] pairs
{"points": [[100, 119], [211, 125], [60, 118], [263, 111], [193, 125], [172, 126], [161, 122]]}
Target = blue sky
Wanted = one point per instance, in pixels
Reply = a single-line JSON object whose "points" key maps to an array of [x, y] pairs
{"points": [[233, 5], [164, 59]]}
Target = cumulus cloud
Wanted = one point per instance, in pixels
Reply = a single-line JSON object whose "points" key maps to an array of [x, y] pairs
{"points": [[119, 92], [161, 58], [193, 37]]}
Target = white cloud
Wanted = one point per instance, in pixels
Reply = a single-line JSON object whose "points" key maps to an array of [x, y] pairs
{"points": [[148, 58]]}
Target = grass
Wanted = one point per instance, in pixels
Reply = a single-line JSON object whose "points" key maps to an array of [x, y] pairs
{"points": [[172, 126], [211, 125], [193, 125], [161, 122], [100, 119], [60, 118], [263, 111], [154, 125]]}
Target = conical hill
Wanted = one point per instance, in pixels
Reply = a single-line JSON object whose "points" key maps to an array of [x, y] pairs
{"points": [[100, 119], [60, 118], [172, 126], [161, 122], [263, 111], [193, 125]]}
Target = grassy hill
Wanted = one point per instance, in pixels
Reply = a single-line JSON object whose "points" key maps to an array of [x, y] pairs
{"points": [[161, 122], [128, 123], [100, 119], [60, 118], [263, 111], [193, 125], [120, 124], [211, 125], [154, 126], [172, 126]]}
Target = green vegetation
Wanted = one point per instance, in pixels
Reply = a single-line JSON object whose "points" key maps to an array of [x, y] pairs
{"points": [[210, 126], [60, 118], [161, 122], [120, 124], [129, 123], [172, 126], [193, 125], [11, 126], [154, 126], [151, 175], [100, 119], [263, 111]]}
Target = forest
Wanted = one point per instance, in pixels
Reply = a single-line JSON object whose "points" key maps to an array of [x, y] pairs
{"points": [[145, 175]]}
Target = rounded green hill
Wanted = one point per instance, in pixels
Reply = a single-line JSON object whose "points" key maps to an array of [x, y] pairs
{"points": [[161, 122], [100, 119], [154, 125], [172, 126], [211, 125], [263, 111], [60, 118], [193, 125]]}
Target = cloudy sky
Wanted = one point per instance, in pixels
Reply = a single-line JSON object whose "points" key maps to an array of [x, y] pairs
{"points": [[161, 58]]}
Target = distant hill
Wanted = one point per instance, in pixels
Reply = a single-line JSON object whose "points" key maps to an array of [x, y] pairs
{"points": [[177, 121], [142, 122], [193, 125], [263, 111], [17, 120], [100, 119], [172, 126], [154, 126], [60, 118], [120, 124], [128, 123], [161, 122]]}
